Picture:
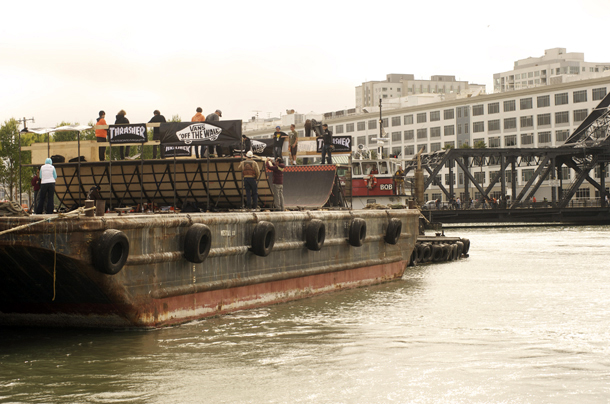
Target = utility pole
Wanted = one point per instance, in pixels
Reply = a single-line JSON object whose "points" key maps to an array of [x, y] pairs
{"points": [[25, 129]]}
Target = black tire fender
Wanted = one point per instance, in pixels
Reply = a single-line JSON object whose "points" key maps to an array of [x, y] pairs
{"points": [[110, 252], [454, 252], [437, 253], [466, 246], [426, 255], [446, 252], [263, 238], [357, 232], [197, 243], [460, 249], [392, 233], [315, 234]]}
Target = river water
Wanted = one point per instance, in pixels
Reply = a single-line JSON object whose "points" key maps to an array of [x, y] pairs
{"points": [[524, 319]]}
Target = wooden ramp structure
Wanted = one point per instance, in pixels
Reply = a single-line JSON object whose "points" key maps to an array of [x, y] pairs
{"points": [[170, 182]]}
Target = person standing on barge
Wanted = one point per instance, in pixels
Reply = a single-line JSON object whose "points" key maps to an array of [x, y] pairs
{"points": [[101, 135], [278, 142], [198, 117], [157, 117], [48, 175], [250, 171], [278, 182], [214, 117], [121, 119], [327, 145], [293, 144]]}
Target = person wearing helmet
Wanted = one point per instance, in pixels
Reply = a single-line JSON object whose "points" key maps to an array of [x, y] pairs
{"points": [[250, 172]]}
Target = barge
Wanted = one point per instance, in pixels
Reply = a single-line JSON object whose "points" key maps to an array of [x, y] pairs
{"points": [[152, 270]]}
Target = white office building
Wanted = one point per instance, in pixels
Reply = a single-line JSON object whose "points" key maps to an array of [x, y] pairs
{"points": [[554, 67], [397, 86]]}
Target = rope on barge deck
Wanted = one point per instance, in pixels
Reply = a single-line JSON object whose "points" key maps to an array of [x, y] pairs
{"points": [[78, 211]]}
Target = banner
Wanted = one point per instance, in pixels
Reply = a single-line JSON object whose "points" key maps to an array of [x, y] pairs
{"points": [[343, 144], [133, 133], [262, 147], [218, 133], [178, 151]]}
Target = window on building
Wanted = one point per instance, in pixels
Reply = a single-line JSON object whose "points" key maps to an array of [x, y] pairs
{"points": [[408, 119], [544, 119], [527, 139], [361, 140], [459, 129], [447, 179], [509, 106], [510, 140], [409, 150], [396, 151], [566, 173], [422, 147], [408, 135], [543, 101], [449, 130], [386, 122], [527, 174], [493, 125], [435, 146], [494, 141], [579, 96], [493, 108], [361, 126], [561, 99], [583, 193], [450, 145], [372, 124], [421, 117], [339, 129], [562, 117], [527, 121], [396, 136], [478, 127], [448, 114], [580, 114], [544, 137], [477, 110], [466, 128], [435, 132], [479, 177], [349, 127], [395, 121], [459, 112], [435, 116], [422, 133], [510, 123], [525, 103], [598, 93], [372, 139], [561, 135]]}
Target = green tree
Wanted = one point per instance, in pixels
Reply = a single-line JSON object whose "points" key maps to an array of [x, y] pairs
{"points": [[480, 145], [9, 156]]}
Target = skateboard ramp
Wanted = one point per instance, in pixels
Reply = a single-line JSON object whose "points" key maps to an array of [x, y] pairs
{"points": [[307, 186]]}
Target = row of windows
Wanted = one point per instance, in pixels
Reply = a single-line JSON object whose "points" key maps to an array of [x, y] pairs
{"points": [[492, 108]]}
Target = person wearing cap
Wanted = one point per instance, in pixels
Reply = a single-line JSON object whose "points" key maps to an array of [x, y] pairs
{"points": [[278, 181], [47, 175], [278, 142], [399, 180], [198, 117], [250, 172], [213, 117]]}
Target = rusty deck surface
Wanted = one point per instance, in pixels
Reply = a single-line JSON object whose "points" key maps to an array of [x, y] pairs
{"points": [[49, 278]]}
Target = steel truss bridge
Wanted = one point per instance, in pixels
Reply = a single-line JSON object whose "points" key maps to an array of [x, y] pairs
{"points": [[586, 148]]}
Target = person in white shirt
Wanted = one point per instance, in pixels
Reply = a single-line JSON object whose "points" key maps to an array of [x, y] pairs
{"points": [[47, 175]]}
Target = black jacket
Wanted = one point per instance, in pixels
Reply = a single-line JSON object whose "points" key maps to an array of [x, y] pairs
{"points": [[160, 119], [121, 120]]}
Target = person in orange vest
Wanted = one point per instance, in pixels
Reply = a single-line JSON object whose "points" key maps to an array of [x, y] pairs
{"points": [[101, 135], [199, 117]]}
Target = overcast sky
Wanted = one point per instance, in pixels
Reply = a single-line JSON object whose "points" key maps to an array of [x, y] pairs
{"points": [[66, 60]]}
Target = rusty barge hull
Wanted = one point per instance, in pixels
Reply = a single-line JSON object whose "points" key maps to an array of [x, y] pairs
{"points": [[51, 276]]}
